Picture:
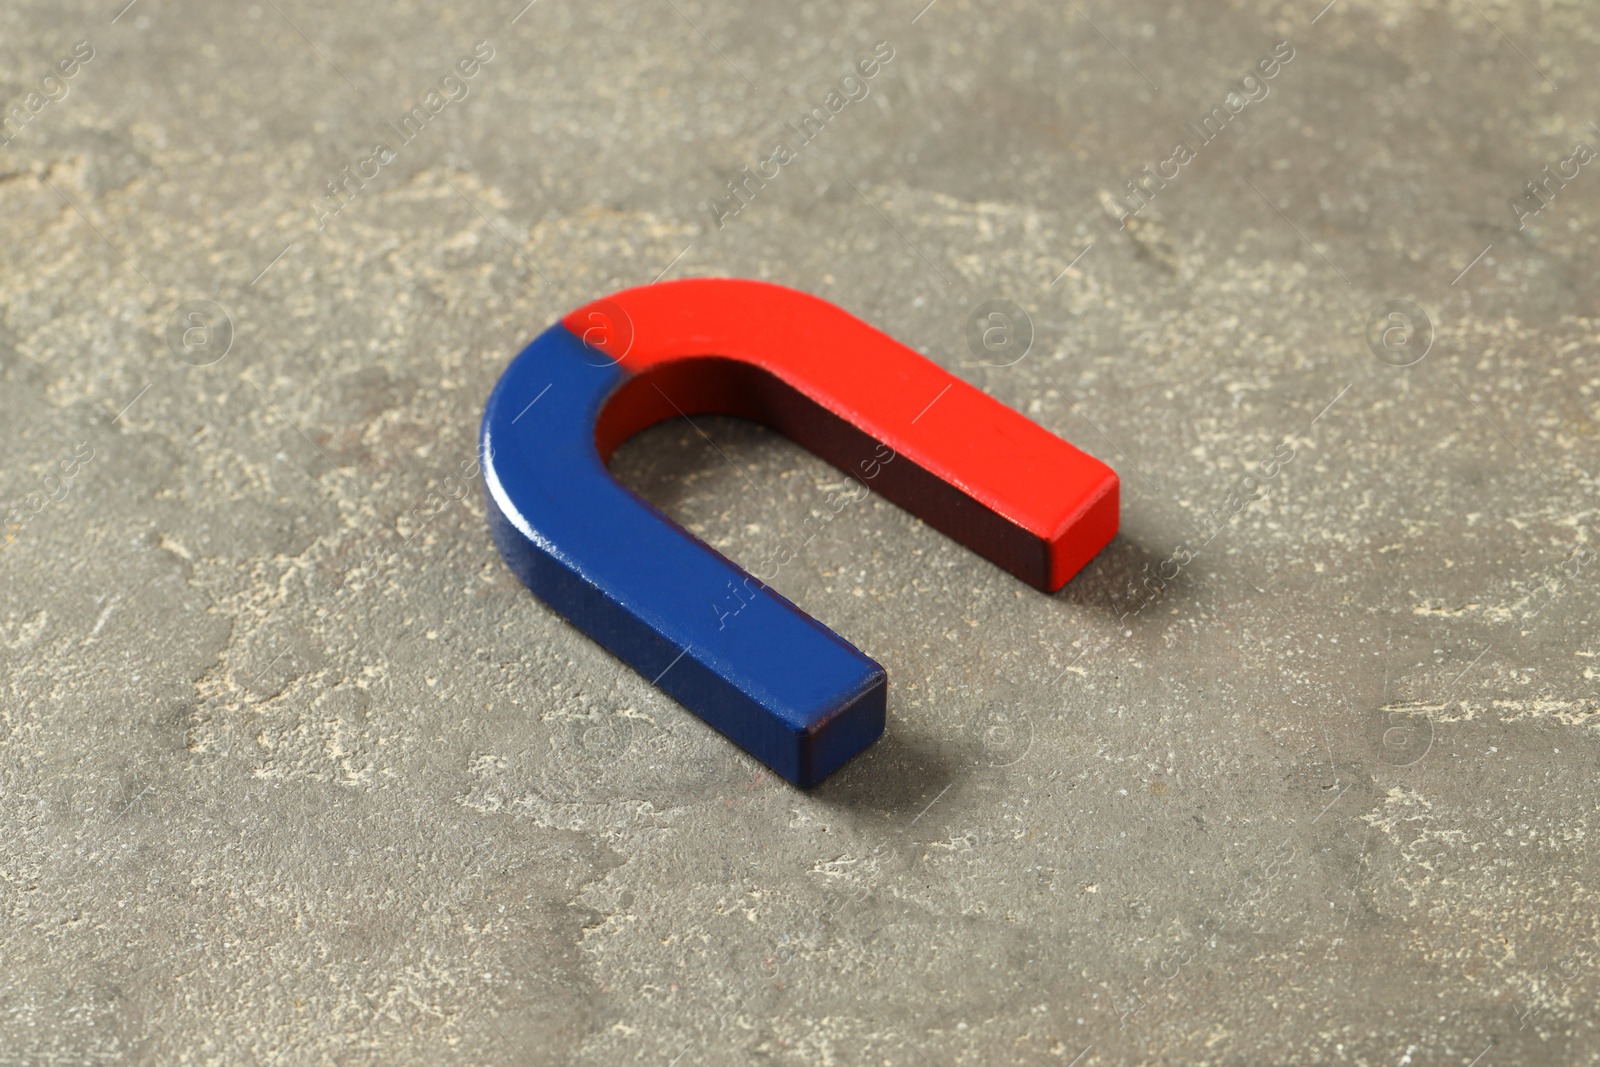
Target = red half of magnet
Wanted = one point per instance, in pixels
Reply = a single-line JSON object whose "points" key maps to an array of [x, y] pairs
{"points": [[980, 472]]}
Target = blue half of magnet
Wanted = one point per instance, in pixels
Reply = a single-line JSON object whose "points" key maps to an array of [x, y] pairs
{"points": [[773, 680]]}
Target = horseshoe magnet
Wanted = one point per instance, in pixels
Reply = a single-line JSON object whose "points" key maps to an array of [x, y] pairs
{"points": [[775, 681]]}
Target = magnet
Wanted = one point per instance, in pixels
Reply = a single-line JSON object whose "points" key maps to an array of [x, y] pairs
{"points": [[772, 679]]}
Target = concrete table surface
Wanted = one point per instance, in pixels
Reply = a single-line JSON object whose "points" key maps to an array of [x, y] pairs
{"points": [[1300, 770]]}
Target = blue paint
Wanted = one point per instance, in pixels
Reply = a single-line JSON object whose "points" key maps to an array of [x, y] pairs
{"points": [[776, 682]]}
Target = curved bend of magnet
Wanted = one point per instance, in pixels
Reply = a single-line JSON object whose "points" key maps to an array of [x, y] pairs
{"points": [[718, 640]]}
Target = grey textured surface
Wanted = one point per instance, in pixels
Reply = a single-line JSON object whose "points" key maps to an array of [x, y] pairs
{"points": [[293, 772]]}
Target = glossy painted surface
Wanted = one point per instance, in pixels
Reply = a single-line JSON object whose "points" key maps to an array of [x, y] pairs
{"points": [[775, 681]]}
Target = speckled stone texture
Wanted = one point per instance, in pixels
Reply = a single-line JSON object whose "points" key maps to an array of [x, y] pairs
{"points": [[292, 771]]}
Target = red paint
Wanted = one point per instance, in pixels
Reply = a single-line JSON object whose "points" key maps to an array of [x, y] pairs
{"points": [[982, 473]]}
